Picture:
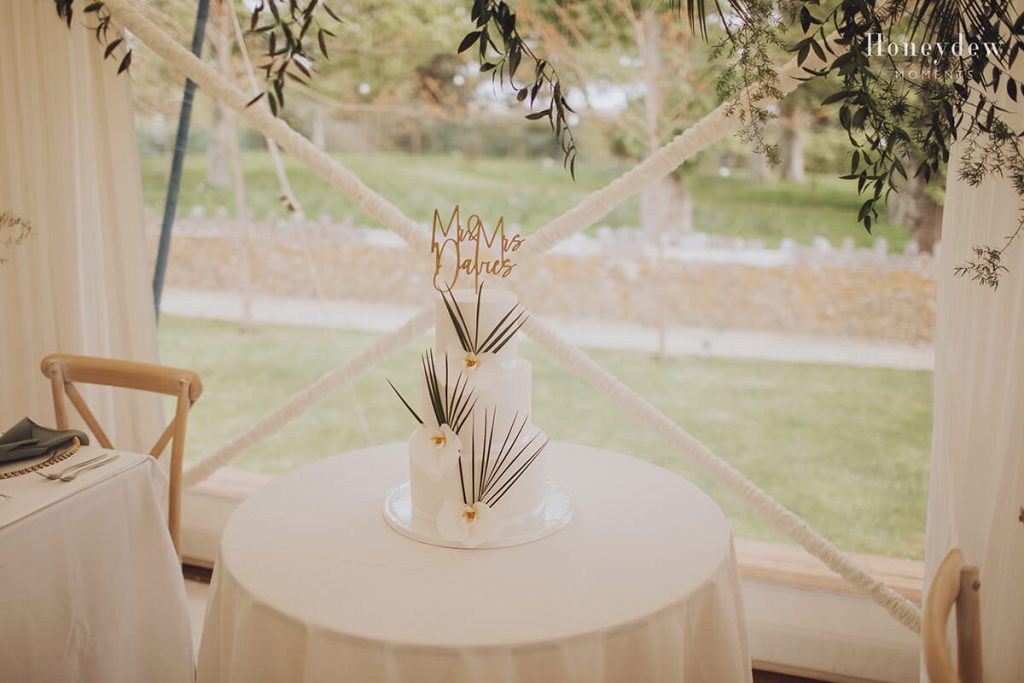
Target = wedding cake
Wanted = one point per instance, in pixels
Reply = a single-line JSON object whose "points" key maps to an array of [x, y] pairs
{"points": [[476, 460], [476, 467]]}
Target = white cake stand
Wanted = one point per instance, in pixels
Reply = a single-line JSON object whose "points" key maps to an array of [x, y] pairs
{"points": [[557, 513]]}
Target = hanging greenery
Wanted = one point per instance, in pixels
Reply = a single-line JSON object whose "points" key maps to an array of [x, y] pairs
{"points": [[902, 109], [296, 34], [914, 77], [497, 18], [111, 39]]}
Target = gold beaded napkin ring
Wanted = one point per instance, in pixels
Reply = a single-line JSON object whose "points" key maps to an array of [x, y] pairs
{"points": [[52, 460]]}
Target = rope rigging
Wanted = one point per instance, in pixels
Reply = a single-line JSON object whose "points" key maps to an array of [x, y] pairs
{"points": [[705, 132]]}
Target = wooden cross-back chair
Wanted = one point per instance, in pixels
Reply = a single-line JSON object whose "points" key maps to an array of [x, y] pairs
{"points": [[64, 370], [953, 584]]}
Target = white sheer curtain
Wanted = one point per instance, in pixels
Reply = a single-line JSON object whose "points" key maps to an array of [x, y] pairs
{"points": [[68, 164], [977, 473]]}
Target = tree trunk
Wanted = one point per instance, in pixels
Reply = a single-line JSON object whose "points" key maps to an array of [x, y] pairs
{"points": [[655, 196], [902, 206], [415, 136], [289, 199], [218, 169], [317, 135], [928, 223], [759, 171], [651, 199], [233, 158], [921, 214], [218, 174], [683, 204], [793, 145]]}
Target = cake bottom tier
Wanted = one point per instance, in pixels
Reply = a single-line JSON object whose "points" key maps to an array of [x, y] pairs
{"points": [[521, 502]]}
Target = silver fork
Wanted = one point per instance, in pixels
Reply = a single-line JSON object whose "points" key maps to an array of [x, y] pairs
{"points": [[70, 468], [101, 463]]}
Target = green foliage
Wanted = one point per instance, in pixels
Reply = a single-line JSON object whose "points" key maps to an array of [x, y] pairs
{"points": [[756, 35], [406, 53], [892, 120], [985, 267], [115, 45], [827, 150], [639, 50], [296, 36], [530, 193], [291, 53], [495, 16], [392, 52]]}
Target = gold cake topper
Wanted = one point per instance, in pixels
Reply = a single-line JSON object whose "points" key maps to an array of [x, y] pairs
{"points": [[470, 249]]}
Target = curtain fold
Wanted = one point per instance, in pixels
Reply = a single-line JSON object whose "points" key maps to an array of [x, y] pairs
{"points": [[976, 489], [69, 165]]}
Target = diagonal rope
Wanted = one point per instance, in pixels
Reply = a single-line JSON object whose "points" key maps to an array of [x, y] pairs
{"points": [[216, 86], [334, 174], [710, 129], [293, 205], [725, 474], [715, 124], [305, 399]]}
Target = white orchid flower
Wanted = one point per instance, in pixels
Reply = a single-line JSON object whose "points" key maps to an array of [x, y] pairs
{"points": [[435, 449], [479, 368], [470, 525]]}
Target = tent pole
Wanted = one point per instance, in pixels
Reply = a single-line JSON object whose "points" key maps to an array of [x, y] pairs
{"points": [[180, 143]]}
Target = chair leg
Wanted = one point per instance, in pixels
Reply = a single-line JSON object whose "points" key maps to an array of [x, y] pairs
{"points": [[968, 626], [60, 411], [177, 462]]}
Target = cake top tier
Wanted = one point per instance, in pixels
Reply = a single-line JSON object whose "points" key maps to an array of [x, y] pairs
{"points": [[484, 321]]}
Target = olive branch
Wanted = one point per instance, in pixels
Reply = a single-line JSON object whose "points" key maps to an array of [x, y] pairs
{"points": [[495, 17]]}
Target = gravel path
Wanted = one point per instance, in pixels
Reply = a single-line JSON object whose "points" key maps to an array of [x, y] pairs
{"points": [[603, 334]]}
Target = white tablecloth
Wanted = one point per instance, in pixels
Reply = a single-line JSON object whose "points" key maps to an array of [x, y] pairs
{"points": [[90, 586], [312, 585]]}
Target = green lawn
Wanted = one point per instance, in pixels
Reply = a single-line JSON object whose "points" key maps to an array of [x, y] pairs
{"points": [[530, 193], [845, 447]]}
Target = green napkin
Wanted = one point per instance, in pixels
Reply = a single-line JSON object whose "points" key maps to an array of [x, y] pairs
{"points": [[28, 440]]}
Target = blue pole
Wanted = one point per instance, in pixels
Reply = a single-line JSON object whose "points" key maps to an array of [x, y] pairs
{"points": [[180, 143]]}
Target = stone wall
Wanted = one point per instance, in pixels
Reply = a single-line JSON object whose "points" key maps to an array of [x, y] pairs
{"points": [[700, 281]]}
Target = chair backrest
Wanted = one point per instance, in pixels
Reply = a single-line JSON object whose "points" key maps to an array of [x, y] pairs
{"points": [[64, 370], [953, 584]]}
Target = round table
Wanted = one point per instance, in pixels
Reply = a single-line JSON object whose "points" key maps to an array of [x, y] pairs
{"points": [[312, 585]]}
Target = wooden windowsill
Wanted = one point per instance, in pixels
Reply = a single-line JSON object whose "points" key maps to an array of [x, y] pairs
{"points": [[228, 482], [791, 565], [763, 561]]}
